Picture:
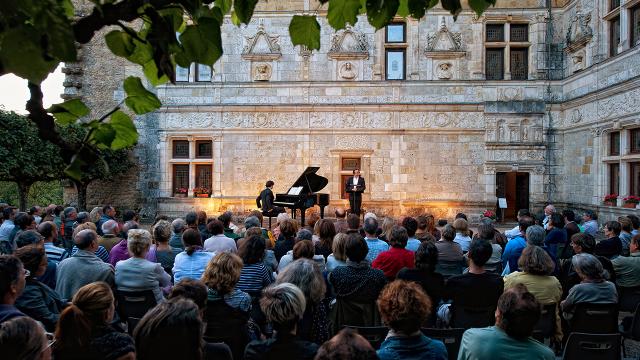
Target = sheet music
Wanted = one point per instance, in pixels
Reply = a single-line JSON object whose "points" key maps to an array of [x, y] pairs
{"points": [[295, 190]]}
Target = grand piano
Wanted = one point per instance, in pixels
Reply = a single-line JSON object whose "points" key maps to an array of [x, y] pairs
{"points": [[303, 194]]}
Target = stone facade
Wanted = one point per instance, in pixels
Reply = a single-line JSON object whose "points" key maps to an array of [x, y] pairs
{"points": [[432, 142]]}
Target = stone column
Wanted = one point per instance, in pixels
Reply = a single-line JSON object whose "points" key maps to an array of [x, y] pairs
{"points": [[192, 167]]}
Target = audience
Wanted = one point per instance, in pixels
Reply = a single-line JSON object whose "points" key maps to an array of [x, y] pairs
{"points": [[590, 223], [165, 253], [83, 331], [306, 275], [218, 242], [570, 225], [489, 233], [49, 231], [404, 307], [110, 238], [625, 234], [120, 251], [303, 247], [516, 245], [462, 234], [612, 246], [37, 299], [221, 277], [339, 256], [192, 261], [427, 226], [556, 235], [450, 256], [426, 258], [627, 268], [582, 243], [178, 226], [82, 268], [411, 225], [387, 225], [286, 240], [23, 339], [397, 257], [346, 345], [284, 306], [375, 245], [12, 283], [517, 314], [138, 273], [254, 276], [327, 231]]}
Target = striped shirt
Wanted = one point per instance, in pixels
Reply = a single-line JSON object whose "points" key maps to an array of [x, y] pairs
{"points": [[236, 299], [254, 278], [54, 253], [101, 253]]}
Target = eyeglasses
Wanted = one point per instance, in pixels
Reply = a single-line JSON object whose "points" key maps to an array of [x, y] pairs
{"points": [[27, 273]]}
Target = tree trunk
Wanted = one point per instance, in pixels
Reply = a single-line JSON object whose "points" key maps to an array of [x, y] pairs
{"points": [[23, 192], [81, 188]]}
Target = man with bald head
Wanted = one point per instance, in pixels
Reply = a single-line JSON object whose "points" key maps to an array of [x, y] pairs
{"points": [[84, 267], [110, 236]]}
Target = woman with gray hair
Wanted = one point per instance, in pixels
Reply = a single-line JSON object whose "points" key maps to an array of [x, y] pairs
{"points": [[307, 276], [593, 288], [138, 273], [283, 305]]}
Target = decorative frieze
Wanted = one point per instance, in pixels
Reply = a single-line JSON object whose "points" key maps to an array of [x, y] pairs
{"points": [[348, 44], [462, 120]]}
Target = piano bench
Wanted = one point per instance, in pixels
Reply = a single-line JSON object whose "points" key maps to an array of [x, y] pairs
{"points": [[270, 216]]}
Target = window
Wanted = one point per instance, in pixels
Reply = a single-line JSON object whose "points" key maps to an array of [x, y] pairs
{"points": [[204, 149], [495, 32], [395, 64], [634, 141], [395, 33], [614, 143], [180, 149], [519, 33], [613, 4], [204, 176], [614, 35], [182, 74], [495, 64], [634, 183], [180, 177], [516, 48], [203, 73], [614, 178], [635, 25], [348, 164], [519, 61]]}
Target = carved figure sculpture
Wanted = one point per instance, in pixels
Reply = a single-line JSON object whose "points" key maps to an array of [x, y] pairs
{"points": [[444, 70], [263, 72], [347, 71]]}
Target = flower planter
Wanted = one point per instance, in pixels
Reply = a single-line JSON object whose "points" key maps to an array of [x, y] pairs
{"points": [[610, 203], [180, 195], [629, 205], [202, 195]]}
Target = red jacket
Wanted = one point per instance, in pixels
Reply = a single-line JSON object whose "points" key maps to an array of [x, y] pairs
{"points": [[393, 260]]}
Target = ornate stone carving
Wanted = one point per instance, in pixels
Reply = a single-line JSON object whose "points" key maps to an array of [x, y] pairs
{"points": [[620, 104], [444, 70], [355, 120], [444, 44], [262, 46], [348, 71], [513, 130], [510, 93], [578, 60], [305, 52], [188, 120], [264, 120], [350, 142], [576, 116], [262, 72], [462, 120], [348, 44], [579, 32]]}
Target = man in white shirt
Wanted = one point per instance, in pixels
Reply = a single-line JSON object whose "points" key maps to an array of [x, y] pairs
{"points": [[548, 211], [355, 186], [510, 234]]}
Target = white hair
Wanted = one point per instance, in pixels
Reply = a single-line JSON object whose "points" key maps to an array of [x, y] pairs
{"points": [[370, 215]]}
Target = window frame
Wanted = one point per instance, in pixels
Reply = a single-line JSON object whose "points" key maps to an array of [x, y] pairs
{"points": [[525, 26], [197, 73], [613, 47], [634, 26], [198, 154], [174, 175], [486, 65], [403, 51], [614, 143], [188, 78], [634, 146], [174, 154], [614, 178], [634, 184], [494, 25], [404, 33], [526, 62]]}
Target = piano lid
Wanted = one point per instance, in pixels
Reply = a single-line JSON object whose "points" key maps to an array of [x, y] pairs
{"points": [[310, 181]]}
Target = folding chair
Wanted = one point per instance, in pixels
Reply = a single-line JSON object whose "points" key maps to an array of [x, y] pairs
{"points": [[592, 347]]}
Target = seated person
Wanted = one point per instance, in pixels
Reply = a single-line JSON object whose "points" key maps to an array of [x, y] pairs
{"points": [[449, 253], [346, 345], [612, 246], [23, 338], [477, 288], [593, 289], [397, 257], [404, 307], [303, 250], [516, 316], [283, 305], [627, 268], [165, 253], [557, 235], [516, 245], [254, 275], [582, 243], [192, 261], [12, 283], [462, 234]]}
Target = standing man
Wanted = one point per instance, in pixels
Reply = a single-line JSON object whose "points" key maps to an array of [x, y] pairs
{"points": [[265, 200], [355, 187]]}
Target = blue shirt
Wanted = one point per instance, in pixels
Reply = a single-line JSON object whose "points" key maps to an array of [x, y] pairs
{"points": [[463, 240], [190, 266], [54, 253], [101, 253], [413, 244], [254, 278], [514, 246], [376, 246], [5, 230], [417, 347]]}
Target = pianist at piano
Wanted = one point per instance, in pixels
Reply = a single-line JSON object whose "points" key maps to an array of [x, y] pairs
{"points": [[265, 201], [303, 194]]}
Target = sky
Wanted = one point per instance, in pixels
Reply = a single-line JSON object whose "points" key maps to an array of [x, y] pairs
{"points": [[14, 92]]}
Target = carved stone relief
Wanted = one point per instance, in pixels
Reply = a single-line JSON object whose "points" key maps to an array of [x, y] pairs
{"points": [[444, 44], [579, 32], [578, 60], [513, 130], [188, 120], [348, 71], [266, 120], [349, 44], [620, 104], [462, 120], [350, 142], [510, 93], [444, 70], [262, 72], [357, 120], [262, 46]]}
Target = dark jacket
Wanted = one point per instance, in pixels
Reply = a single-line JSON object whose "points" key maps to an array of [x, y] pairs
{"points": [[609, 248], [103, 219], [282, 347], [41, 303], [8, 312]]}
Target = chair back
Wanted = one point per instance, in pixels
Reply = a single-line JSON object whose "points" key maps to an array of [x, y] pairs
{"points": [[134, 303], [592, 347], [375, 335], [546, 326], [449, 268], [450, 337], [495, 268], [228, 325], [347, 312], [595, 319], [472, 317], [132, 322], [629, 298]]}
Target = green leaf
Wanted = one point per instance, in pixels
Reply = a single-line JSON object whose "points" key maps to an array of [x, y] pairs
{"points": [[103, 135], [151, 73], [74, 170], [479, 6], [139, 99], [453, 6], [403, 8], [380, 12], [202, 42], [342, 12], [126, 133], [418, 8], [120, 43], [224, 5], [244, 9], [21, 53], [305, 30], [69, 111], [235, 19]]}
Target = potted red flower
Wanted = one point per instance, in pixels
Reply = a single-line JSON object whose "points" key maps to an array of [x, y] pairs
{"points": [[180, 192], [631, 201], [611, 199], [201, 192], [490, 214]]}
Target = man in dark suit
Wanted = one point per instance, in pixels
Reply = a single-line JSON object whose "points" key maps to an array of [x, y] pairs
{"points": [[355, 187], [265, 201]]}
